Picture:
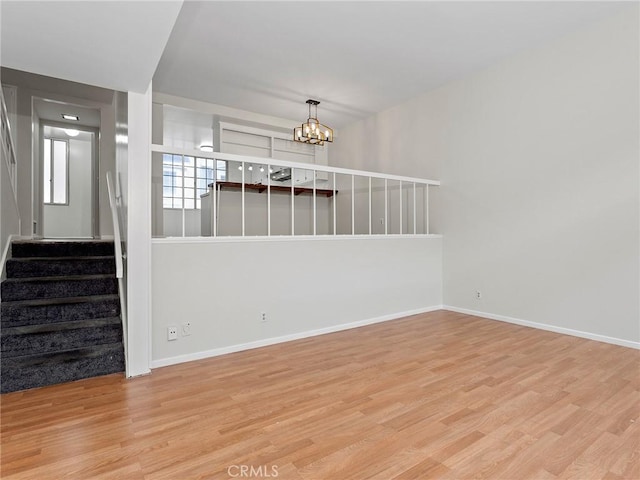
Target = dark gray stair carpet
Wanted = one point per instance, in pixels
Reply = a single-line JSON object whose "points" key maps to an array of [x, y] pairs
{"points": [[60, 314], [60, 266], [33, 312], [31, 371], [57, 287], [24, 340], [34, 248]]}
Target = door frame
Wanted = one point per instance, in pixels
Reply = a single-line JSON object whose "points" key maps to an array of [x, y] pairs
{"points": [[95, 162]]}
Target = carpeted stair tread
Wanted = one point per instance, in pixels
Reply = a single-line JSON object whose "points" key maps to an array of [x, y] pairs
{"points": [[53, 310], [60, 300], [59, 266], [31, 371], [54, 287], [59, 326], [32, 339], [31, 248]]}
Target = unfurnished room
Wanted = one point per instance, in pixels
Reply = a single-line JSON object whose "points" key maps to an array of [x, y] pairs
{"points": [[320, 240]]}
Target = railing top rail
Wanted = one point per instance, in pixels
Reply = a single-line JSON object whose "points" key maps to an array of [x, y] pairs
{"points": [[285, 163]]}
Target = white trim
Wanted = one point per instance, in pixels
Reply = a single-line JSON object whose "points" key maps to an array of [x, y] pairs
{"points": [[543, 326], [189, 357], [287, 238]]}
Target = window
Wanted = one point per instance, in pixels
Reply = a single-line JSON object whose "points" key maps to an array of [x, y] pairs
{"points": [[185, 178], [56, 171]]}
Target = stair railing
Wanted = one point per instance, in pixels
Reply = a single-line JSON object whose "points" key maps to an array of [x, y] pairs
{"points": [[8, 147], [10, 213], [119, 265]]}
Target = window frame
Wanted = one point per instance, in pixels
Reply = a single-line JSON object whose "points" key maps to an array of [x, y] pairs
{"points": [[50, 202]]}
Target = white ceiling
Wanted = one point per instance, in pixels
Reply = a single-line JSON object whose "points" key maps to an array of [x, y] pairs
{"points": [[356, 57], [114, 45]]}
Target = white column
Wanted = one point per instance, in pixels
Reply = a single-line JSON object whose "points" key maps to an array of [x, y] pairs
{"points": [[139, 233]]}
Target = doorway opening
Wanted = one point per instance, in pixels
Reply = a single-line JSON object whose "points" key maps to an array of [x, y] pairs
{"points": [[68, 171]]}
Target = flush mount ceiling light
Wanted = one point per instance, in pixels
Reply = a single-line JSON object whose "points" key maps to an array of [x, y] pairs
{"points": [[68, 116], [206, 148], [72, 132], [313, 131]]}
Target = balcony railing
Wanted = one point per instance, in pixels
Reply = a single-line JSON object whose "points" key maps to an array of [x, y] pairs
{"points": [[214, 194]]}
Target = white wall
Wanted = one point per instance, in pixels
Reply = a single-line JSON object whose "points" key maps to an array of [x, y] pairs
{"points": [[73, 220], [221, 288], [538, 158]]}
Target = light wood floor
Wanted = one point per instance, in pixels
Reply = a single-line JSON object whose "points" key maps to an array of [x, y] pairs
{"points": [[439, 395]]}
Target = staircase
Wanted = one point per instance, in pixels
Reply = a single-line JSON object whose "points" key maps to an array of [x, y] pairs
{"points": [[60, 314]]}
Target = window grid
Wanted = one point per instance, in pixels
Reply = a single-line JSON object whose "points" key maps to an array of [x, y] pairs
{"points": [[185, 178]]}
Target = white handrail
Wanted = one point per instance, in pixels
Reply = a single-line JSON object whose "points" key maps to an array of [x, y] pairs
{"points": [[116, 226], [284, 163], [119, 268]]}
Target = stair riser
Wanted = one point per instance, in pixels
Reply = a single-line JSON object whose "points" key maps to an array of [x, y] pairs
{"points": [[19, 315], [61, 249], [37, 343], [38, 289], [17, 377], [19, 268]]}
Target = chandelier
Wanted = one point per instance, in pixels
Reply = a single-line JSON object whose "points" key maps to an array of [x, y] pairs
{"points": [[313, 131]]}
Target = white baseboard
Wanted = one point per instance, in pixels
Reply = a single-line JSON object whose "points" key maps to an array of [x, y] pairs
{"points": [[543, 326], [163, 362]]}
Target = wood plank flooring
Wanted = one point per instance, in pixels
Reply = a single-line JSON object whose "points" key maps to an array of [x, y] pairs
{"points": [[439, 395]]}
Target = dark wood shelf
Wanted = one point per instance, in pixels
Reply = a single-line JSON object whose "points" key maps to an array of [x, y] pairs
{"points": [[323, 192]]}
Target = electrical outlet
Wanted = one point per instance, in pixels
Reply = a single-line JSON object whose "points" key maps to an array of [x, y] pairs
{"points": [[172, 333], [263, 317], [186, 329], [478, 294]]}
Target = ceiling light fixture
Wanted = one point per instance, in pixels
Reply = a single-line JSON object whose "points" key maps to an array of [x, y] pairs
{"points": [[313, 131], [72, 132], [68, 116], [206, 148]]}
